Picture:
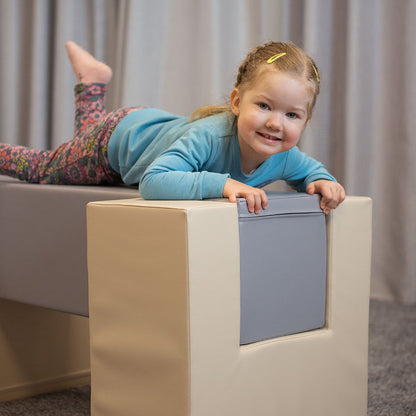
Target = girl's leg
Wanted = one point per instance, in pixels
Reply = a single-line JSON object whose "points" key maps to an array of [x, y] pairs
{"points": [[84, 159], [81, 161], [89, 106], [92, 76]]}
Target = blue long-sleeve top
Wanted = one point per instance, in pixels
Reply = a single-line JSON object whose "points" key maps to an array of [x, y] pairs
{"points": [[173, 158]]}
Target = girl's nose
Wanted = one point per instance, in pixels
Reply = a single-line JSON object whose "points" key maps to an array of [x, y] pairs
{"points": [[274, 122]]}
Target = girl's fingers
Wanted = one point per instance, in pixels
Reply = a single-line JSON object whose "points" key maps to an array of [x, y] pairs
{"points": [[250, 202], [331, 197], [256, 198]]}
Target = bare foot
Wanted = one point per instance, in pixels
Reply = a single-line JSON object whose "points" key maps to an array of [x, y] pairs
{"points": [[86, 68]]}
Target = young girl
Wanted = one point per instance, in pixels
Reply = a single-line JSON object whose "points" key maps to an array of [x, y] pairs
{"points": [[222, 151]]}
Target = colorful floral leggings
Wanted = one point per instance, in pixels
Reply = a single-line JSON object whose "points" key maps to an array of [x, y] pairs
{"points": [[81, 161]]}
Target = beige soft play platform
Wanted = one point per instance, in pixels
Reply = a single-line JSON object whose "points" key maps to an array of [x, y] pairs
{"points": [[164, 305]]}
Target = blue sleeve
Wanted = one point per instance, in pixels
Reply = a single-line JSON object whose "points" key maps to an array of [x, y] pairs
{"points": [[181, 172], [301, 170]]}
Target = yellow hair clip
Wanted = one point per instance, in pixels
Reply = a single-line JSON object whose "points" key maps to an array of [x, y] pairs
{"points": [[316, 73], [274, 57]]}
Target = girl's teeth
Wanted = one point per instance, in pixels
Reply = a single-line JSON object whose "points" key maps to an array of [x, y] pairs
{"points": [[269, 137]]}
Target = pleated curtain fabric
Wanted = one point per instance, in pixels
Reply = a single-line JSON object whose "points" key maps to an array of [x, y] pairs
{"points": [[180, 54]]}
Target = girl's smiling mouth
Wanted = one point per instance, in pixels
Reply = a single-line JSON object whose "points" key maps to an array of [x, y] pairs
{"points": [[268, 137]]}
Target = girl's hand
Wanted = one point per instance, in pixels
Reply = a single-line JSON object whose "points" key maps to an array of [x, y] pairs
{"points": [[256, 198], [332, 193]]}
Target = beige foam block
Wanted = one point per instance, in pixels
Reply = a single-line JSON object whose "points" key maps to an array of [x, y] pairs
{"points": [[165, 314]]}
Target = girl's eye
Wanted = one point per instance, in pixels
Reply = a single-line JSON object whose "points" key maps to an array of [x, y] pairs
{"points": [[291, 115], [263, 106]]}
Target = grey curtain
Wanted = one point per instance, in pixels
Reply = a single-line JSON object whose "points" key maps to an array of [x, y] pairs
{"points": [[180, 54]]}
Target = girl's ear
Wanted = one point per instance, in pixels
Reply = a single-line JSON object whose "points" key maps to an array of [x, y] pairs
{"points": [[235, 101]]}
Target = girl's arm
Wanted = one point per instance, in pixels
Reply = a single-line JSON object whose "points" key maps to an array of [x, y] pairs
{"points": [[181, 173], [200, 185], [173, 184], [308, 175], [301, 170]]}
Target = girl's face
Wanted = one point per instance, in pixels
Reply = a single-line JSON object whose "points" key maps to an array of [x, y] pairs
{"points": [[271, 115]]}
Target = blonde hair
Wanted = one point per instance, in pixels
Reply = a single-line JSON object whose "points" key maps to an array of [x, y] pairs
{"points": [[293, 60]]}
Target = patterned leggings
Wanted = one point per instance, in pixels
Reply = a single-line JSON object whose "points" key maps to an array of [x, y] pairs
{"points": [[81, 161]]}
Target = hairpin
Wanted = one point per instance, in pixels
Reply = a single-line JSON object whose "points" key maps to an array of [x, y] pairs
{"points": [[274, 57], [316, 72]]}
